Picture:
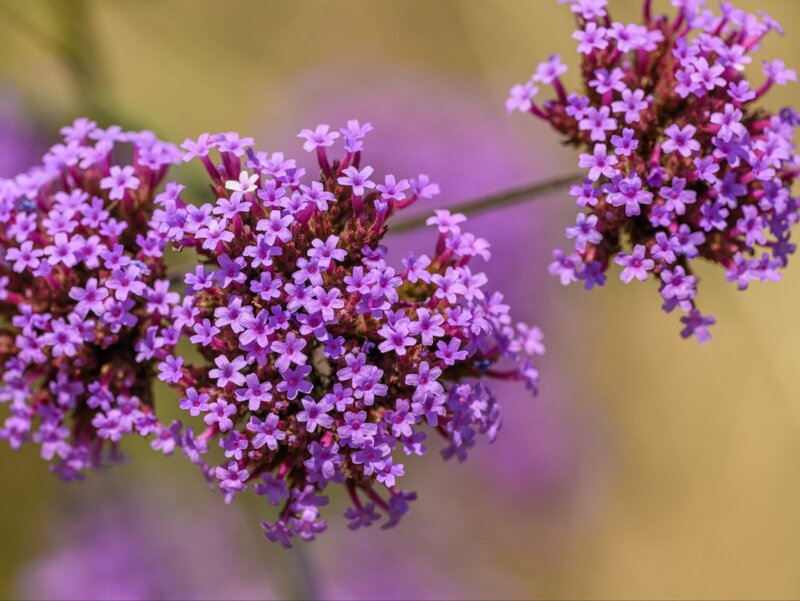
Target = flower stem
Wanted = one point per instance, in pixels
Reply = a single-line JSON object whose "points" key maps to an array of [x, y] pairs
{"points": [[494, 201], [305, 580]]}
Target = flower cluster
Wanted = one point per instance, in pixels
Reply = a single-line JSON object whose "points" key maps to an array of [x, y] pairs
{"points": [[82, 294], [681, 162], [323, 362]]}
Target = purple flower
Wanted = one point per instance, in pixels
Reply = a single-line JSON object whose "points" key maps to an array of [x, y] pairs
{"points": [[566, 267], [204, 332], [63, 251], [396, 338], [315, 414], [427, 326], [167, 440], [255, 393], [751, 225], [90, 298], [214, 234], [170, 370], [362, 517], [599, 163], [693, 152], [680, 139], [677, 285], [228, 372], [677, 196], [357, 179], [706, 76], [231, 478], [24, 257], [635, 265], [308, 335], [356, 430], [606, 81], [632, 103], [200, 148], [230, 270], [449, 353], [126, 281], [548, 71], [629, 193], [423, 187], [64, 256], [109, 426], [521, 97], [321, 137], [401, 419], [266, 432], [696, 325], [64, 339], [109, 543], [195, 403], [290, 351], [391, 189], [219, 413], [598, 122], [276, 227], [317, 195], [119, 179], [776, 71], [729, 121], [230, 315], [273, 488], [294, 381], [354, 135], [589, 9], [324, 460], [591, 38], [584, 231]]}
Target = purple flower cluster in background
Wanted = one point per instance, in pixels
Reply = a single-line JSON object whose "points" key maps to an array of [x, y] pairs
{"points": [[82, 294], [21, 145], [111, 539], [322, 362], [681, 162]]}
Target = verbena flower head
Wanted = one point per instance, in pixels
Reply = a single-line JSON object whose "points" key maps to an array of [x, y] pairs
{"points": [[681, 162], [83, 295], [323, 361]]}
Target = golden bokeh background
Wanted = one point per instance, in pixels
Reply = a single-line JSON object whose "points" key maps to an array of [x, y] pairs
{"points": [[685, 473]]}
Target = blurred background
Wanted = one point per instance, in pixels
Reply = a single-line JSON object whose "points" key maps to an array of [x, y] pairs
{"points": [[648, 467]]}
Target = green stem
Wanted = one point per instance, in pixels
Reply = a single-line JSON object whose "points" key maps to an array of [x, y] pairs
{"points": [[305, 580], [76, 45], [494, 201], [85, 62]]}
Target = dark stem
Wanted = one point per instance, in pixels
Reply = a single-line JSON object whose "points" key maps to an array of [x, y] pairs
{"points": [[494, 201]]}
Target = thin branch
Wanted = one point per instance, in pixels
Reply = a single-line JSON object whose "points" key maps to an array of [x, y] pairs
{"points": [[494, 201]]}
